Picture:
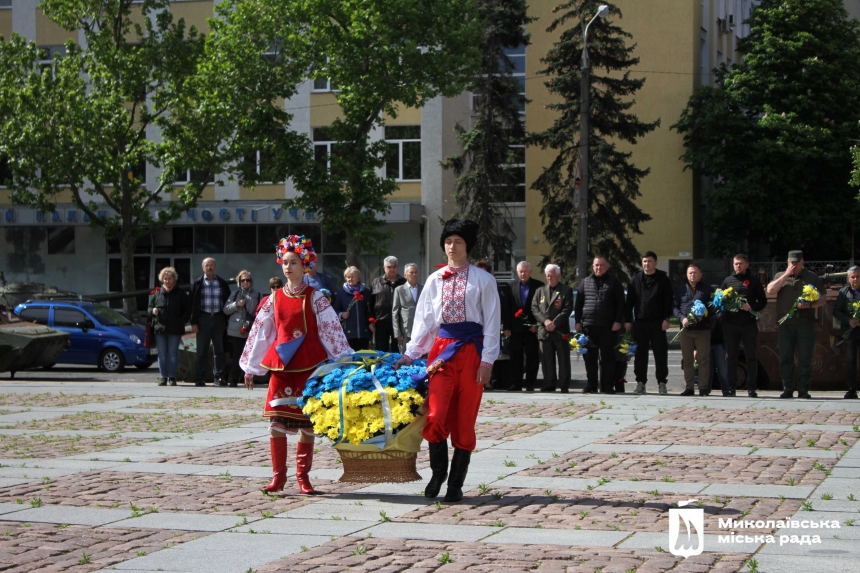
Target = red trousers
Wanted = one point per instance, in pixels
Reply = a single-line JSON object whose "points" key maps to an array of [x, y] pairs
{"points": [[454, 397]]}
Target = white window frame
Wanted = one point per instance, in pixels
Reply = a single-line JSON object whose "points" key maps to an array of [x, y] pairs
{"points": [[399, 143]]}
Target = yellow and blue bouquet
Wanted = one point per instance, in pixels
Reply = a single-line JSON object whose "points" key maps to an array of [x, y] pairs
{"points": [[809, 295], [697, 312], [361, 400], [729, 300], [579, 344], [855, 316], [627, 346]]}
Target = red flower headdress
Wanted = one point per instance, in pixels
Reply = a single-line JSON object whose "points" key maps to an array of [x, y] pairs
{"points": [[300, 245]]}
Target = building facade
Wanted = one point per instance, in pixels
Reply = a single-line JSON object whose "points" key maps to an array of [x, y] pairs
{"points": [[678, 42]]}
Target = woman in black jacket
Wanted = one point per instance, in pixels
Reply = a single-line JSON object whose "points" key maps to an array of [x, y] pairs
{"points": [[354, 320], [169, 308]]}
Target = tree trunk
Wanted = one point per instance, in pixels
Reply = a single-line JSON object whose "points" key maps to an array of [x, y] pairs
{"points": [[126, 248], [353, 248]]}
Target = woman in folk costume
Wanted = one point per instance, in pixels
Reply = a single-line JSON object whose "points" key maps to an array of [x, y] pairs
{"points": [[457, 322], [295, 330]]}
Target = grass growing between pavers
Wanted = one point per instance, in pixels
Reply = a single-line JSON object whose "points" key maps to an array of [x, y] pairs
{"points": [[206, 403], [802, 439], [150, 422], [56, 400], [569, 410], [635, 466], [79, 548], [760, 416], [592, 510], [372, 555], [45, 446], [223, 494]]}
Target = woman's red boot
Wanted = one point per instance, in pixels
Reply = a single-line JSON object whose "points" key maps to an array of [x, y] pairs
{"points": [[279, 464], [304, 461]]}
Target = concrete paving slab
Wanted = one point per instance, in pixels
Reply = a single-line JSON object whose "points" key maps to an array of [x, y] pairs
{"points": [[60, 463], [243, 471], [93, 516], [222, 553], [828, 548], [11, 507], [834, 505], [9, 482], [737, 490], [183, 521], [661, 486], [13, 419], [580, 538], [840, 563], [289, 526], [31, 473], [175, 469], [845, 472], [431, 531], [622, 448], [840, 489], [574, 484], [710, 450], [369, 510], [796, 453], [711, 544], [822, 427], [112, 456], [745, 426]]}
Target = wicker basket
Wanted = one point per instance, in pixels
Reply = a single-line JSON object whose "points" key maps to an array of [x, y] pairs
{"points": [[384, 466]]}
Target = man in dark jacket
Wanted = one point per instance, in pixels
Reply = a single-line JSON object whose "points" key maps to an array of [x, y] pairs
{"points": [[209, 294], [382, 305], [843, 311], [524, 342], [552, 306], [798, 332], [599, 314], [649, 307], [740, 326], [696, 335]]}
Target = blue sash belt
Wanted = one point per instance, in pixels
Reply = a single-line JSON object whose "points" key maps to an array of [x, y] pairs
{"points": [[463, 333]]}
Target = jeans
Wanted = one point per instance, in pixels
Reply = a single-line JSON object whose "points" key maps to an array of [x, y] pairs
{"points": [[800, 336], [851, 346], [168, 353], [604, 340], [650, 335], [719, 368], [733, 336], [210, 329]]}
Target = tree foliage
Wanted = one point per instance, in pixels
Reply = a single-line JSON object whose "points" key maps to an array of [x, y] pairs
{"points": [[378, 54], [142, 88], [775, 133], [486, 171], [613, 179]]}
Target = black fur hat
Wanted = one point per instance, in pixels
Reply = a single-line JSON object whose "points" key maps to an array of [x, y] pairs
{"points": [[464, 228]]}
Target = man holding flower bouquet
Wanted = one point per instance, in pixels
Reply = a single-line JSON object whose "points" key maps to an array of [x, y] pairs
{"points": [[739, 326], [798, 331], [524, 327], [847, 312], [696, 333]]}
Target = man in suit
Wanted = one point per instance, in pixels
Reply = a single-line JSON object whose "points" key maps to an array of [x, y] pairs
{"points": [[552, 306], [403, 307], [209, 294], [524, 342]]}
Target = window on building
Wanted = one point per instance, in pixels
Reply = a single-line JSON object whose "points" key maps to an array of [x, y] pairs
{"points": [[260, 165], [403, 162], [137, 172], [143, 246], [209, 240], [518, 59], [183, 240], [39, 315], [5, 3], [189, 175], [269, 235], [325, 147], [324, 85], [516, 192], [61, 240], [241, 238], [49, 54]]}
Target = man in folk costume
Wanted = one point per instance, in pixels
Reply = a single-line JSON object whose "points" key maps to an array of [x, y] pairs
{"points": [[457, 322], [295, 330]]}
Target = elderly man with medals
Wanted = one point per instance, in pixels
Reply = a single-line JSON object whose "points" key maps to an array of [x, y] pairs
{"points": [[295, 330], [457, 321]]}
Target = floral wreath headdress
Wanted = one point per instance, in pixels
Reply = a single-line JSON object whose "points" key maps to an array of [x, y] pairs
{"points": [[300, 245]]}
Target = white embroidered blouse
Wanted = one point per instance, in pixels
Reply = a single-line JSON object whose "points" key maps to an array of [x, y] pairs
{"points": [[468, 295], [263, 334]]}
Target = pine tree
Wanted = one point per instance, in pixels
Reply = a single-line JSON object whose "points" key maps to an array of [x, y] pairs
{"points": [[486, 171], [613, 179]]}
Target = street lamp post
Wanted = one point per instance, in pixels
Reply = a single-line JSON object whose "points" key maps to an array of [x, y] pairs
{"points": [[582, 244]]}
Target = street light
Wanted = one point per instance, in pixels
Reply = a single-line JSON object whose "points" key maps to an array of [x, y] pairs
{"points": [[582, 245]]}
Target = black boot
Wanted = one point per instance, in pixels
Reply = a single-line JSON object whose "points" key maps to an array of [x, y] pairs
{"points": [[459, 468], [439, 465]]}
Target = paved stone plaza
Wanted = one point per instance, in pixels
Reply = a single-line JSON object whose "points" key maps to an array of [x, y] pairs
{"points": [[128, 476]]}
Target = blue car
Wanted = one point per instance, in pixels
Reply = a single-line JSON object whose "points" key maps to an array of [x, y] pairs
{"points": [[99, 334]]}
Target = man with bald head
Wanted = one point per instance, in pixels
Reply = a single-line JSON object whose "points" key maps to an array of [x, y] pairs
{"points": [[209, 294]]}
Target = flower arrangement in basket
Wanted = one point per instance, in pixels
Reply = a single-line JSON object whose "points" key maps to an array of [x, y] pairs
{"points": [[370, 412]]}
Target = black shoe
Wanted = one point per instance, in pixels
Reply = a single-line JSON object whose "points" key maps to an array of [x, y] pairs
{"points": [[439, 465], [530, 389], [752, 394], [219, 382], [619, 386], [233, 384], [605, 390], [704, 393], [547, 389], [200, 383], [514, 389], [589, 390], [804, 395], [787, 394], [565, 390], [851, 394], [171, 381], [687, 392], [459, 468], [162, 381]]}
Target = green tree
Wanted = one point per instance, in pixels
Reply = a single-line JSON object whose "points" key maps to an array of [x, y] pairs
{"points": [[613, 178], [775, 133], [486, 169], [855, 175], [86, 125], [378, 54]]}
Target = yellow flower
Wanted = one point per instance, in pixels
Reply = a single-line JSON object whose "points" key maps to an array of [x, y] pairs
{"points": [[810, 294], [727, 292]]}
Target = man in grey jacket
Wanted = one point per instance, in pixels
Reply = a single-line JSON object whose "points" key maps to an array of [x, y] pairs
{"points": [[552, 306], [403, 307]]}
